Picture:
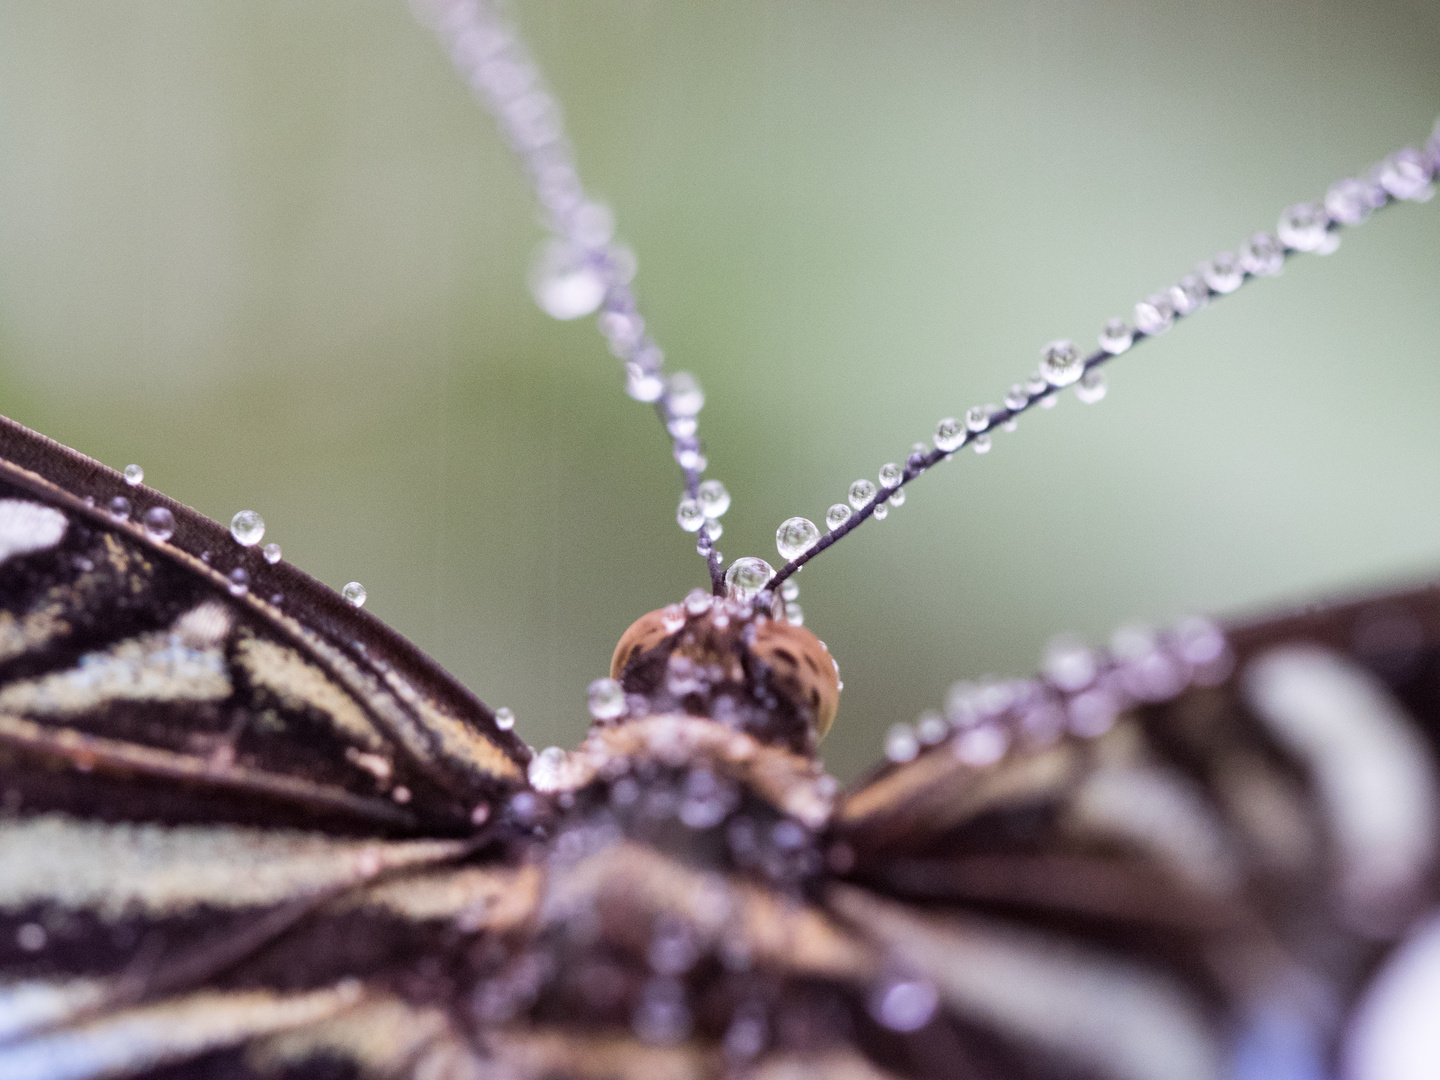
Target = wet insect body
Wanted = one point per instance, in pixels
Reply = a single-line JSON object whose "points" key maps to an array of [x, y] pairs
{"points": [[250, 832]]}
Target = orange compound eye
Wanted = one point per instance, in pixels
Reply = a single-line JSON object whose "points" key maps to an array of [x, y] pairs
{"points": [[645, 633], [799, 654]]}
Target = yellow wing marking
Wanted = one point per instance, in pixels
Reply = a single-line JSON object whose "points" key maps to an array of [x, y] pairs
{"points": [[299, 684]]}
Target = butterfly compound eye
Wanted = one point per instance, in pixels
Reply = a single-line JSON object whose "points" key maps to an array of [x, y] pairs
{"points": [[645, 633], [795, 652]]}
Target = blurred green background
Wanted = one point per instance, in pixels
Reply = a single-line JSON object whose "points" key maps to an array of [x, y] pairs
{"points": [[274, 253]]}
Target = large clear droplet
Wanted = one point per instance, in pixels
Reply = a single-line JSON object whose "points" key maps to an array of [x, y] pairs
{"points": [[1091, 387], [891, 475], [713, 498], [606, 699], [354, 593], [683, 396], [746, 577], [248, 528], [565, 283], [837, 515], [1223, 273], [1061, 363], [1154, 315], [1303, 226], [977, 418], [159, 523], [795, 536], [504, 718], [134, 475], [1116, 336], [861, 492], [1262, 255], [271, 553], [689, 515], [949, 434]]}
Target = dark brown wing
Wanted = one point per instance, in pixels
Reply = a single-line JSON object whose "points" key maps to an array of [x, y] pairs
{"points": [[1204, 882], [227, 814]]}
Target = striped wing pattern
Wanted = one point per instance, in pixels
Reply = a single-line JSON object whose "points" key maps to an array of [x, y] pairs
{"points": [[252, 835]]}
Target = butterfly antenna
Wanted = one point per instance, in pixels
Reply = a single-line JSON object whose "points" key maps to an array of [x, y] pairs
{"points": [[581, 269], [1314, 227]]}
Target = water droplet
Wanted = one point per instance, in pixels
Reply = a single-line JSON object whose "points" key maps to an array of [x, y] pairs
{"points": [[891, 475], [981, 444], [931, 728], [1406, 174], [134, 475], [861, 492], [1069, 664], [1303, 226], [120, 508], [1189, 295], [354, 593], [882, 511], [949, 434], [897, 497], [159, 523], [1262, 255], [689, 515], [1116, 336], [564, 282], [982, 745], [683, 396], [1350, 201], [904, 1005], [504, 718], [1010, 425], [642, 384], [747, 576], [1061, 363], [794, 614], [247, 527], [1223, 273], [901, 744], [1091, 387], [713, 530], [713, 498], [31, 937], [698, 601], [271, 552], [607, 699], [546, 768], [795, 536], [682, 427], [687, 454], [239, 583], [837, 515], [1017, 397], [1154, 315], [790, 590]]}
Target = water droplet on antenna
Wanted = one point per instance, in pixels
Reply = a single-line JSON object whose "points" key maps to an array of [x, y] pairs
{"points": [[977, 418], [949, 434], [683, 396], [981, 444], [1061, 363], [1154, 315], [837, 515], [1262, 255], [747, 576], [354, 593], [881, 512], [606, 699], [1350, 201], [1116, 336], [1303, 226], [713, 498], [247, 527], [1223, 273], [861, 492], [689, 515], [1091, 387], [794, 614], [795, 536], [897, 497], [159, 523], [790, 590], [643, 385], [1189, 295], [134, 475], [564, 282]]}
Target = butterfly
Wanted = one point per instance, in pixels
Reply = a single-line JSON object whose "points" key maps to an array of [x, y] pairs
{"points": [[889, 1002]]}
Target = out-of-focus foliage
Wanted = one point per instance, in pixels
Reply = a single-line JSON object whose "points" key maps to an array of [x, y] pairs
{"points": [[274, 253]]}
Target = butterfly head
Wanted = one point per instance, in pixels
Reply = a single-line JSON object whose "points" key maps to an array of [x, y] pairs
{"points": [[735, 664]]}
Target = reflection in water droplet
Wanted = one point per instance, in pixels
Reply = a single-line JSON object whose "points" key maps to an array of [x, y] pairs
{"points": [[949, 434], [159, 523], [119, 508], [689, 515], [713, 498], [239, 583], [747, 576], [861, 492], [795, 536], [1061, 363], [271, 552], [354, 593], [248, 528], [134, 475], [890, 475], [606, 699], [504, 718], [837, 515]]}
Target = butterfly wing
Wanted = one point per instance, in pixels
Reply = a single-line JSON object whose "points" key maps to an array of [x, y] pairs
{"points": [[256, 790], [1205, 879]]}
